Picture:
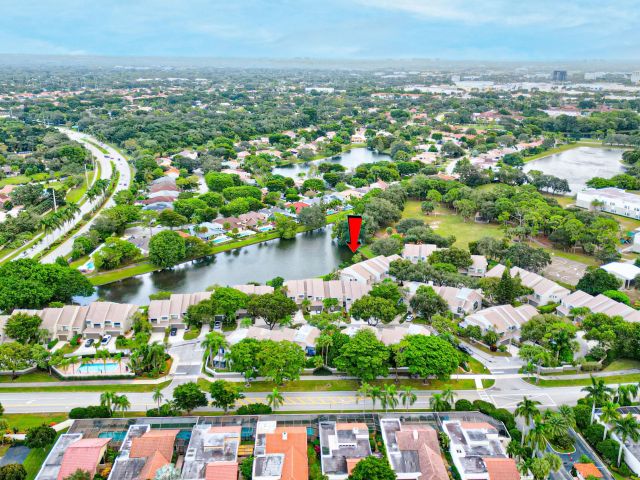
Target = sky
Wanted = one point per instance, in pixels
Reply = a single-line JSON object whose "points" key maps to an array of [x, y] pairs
{"points": [[528, 30]]}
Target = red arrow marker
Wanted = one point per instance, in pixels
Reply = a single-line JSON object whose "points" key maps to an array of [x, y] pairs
{"points": [[355, 224]]}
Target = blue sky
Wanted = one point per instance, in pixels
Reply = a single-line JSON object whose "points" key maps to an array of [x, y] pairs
{"points": [[447, 29]]}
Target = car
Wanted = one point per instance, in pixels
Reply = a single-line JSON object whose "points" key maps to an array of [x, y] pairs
{"points": [[173, 332], [464, 349], [88, 343], [409, 318], [106, 339], [217, 325]]}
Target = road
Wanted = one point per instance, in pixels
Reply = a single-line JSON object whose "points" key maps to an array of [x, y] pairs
{"points": [[105, 173]]}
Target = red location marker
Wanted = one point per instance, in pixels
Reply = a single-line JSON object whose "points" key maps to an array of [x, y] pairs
{"points": [[355, 224]]}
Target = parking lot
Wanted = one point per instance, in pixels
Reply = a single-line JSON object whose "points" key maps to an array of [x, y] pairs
{"points": [[565, 270]]}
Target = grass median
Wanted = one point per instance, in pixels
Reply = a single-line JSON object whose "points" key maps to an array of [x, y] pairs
{"points": [[118, 388], [582, 382]]}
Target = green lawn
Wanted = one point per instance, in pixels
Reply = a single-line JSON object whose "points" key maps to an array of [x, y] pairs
{"points": [[192, 334], [29, 377], [445, 222], [124, 388], [622, 364], [476, 366], [561, 148], [17, 180], [75, 194], [631, 378], [24, 421]]}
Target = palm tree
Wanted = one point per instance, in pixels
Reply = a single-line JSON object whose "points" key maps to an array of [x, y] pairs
{"points": [[408, 397], [275, 399], [537, 437], [514, 450], [626, 428], [362, 393], [567, 412], [527, 410], [108, 399], [555, 425], [625, 393], [212, 343], [437, 403], [158, 396], [375, 393], [598, 392], [391, 395], [122, 403], [72, 362], [448, 395], [608, 414], [104, 355], [324, 342]]}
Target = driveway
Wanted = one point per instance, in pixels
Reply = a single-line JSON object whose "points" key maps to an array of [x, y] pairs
{"points": [[582, 448], [177, 338], [156, 337]]}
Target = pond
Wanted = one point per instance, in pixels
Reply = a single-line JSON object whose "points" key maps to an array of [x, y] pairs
{"points": [[309, 255], [349, 160], [580, 164]]}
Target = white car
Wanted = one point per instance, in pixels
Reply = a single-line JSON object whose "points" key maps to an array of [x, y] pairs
{"points": [[105, 340]]}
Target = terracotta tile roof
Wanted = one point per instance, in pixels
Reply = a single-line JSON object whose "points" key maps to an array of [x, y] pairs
{"points": [[153, 463], [587, 470], [294, 448], [222, 471], [502, 469], [351, 464], [84, 455], [477, 426], [157, 447]]}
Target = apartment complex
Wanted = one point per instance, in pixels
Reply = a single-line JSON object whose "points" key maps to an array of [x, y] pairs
{"points": [[611, 200], [544, 290], [316, 290], [418, 252], [369, 271], [502, 319], [171, 312], [598, 304]]}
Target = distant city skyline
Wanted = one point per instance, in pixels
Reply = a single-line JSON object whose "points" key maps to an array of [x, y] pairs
{"points": [[537, 30]]}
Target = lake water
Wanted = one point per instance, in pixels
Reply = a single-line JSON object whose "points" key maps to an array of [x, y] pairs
{"points": [[349, 160], [309, 255], [580, 164]]}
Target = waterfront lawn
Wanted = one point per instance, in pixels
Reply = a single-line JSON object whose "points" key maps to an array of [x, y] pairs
{"points": [[445, 222]]}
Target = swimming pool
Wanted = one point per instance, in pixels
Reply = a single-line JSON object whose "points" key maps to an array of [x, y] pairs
{"points": [[116, 436], [97, 368], [221, 239], [265, 228]]}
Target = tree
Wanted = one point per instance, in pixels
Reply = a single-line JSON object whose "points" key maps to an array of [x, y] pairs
{"points": [[427, 303], [23, 327], [364, 356], [286, 227], [609, 414], [13, 471], [527, 409], [40, 437], [188, 396], [275, 399], [455, 256], [108, 400], [213, 343], [224, 394], [626, 428], [217, 182], [407, 397], [158, 396], [280, 361], [14, 356], [246, 468], [536, 437], [114, 253], [598, 393], [122, 403], [172, 219], [427, 356], [387, 246], [373, 309], [595, 281], [372, 468], [167, 249], [312, 217], [271, 307], [243, 357]]}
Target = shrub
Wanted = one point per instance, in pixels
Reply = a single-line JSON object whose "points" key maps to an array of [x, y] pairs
{"points": [[13, 471], [582, 414], [594, 433], [564, 442], [254, 409], [92, 411], [165, 410], [608, 449], [464, 405], [246, 468]]}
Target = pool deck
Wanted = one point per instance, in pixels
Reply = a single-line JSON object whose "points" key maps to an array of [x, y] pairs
{"points": [[121, 369]]}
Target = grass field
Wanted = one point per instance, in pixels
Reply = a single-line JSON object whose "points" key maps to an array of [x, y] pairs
{"points": [[76, 194], [124, 388], [24, 421], [17, 180], [622, 364], [579, 382], [29, 377], [445, 222]]}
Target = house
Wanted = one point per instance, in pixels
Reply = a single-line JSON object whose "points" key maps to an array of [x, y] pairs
{"points": [[280, 453], [394, 335], [316, 290], [587, 470], [342, 446], [418, 252], [610, 200], [144, 451], [297, 206], [413, 451], [212, 453], [502, 319], [368, 271], [598, 304], [478, 266], [461, 301], [305, 336], [108, 318], [478, 451], [73, 452], [254, 289], [252, 219], [544, 290], [207, 230], [627, 272], [230, 222], [170, 312]]}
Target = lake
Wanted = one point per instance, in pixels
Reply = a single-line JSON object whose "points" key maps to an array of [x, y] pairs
{"points": [[309, 255], [580, 164], [349, 160]]}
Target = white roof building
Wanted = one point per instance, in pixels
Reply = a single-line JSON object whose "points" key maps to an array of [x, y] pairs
{"points": [[369, 271], [598, 304], [544, 290], [418, 252], [627, 272], [501, 319], [611, 200]]}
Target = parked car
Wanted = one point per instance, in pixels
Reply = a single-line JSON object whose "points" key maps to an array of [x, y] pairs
{"points": [[88, 343], [173, 332], [106, 339], [409, 318], [217, 325], [464, 349]]}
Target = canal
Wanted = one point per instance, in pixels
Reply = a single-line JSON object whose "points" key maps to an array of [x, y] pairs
{"points": [[578, 165], [310, 254]]}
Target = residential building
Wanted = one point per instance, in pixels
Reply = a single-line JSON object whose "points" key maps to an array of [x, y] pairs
{"points": [[368, 271], [394, 335], [342, 446], [212, 453], [73, 452], [610, 200], [479, 266], [587, 470], [229, 223], [559, 76], [171, 312], [304, 336], [108, 318], [143, 452], [461, 301], [478, 451], [544, 290], [630, 448], [502, 319], [207, 230], [413, 451], [316, 290], [598, 304], [418, 252], [254, 289], [627, 272], [635, 77], [280, 453]]}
